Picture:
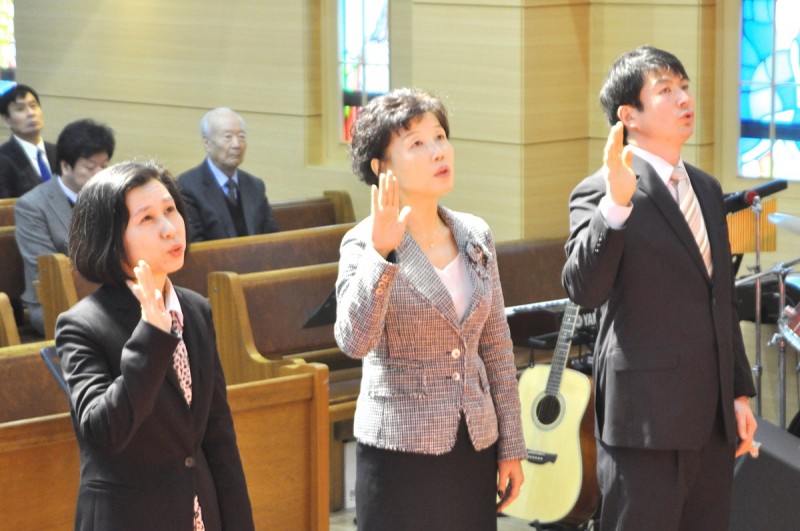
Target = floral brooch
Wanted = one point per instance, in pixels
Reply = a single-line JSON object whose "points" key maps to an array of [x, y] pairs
{"points": [[479, 256]]}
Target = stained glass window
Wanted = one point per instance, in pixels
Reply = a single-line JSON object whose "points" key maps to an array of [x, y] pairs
{"points": [[8, 50], [363, 55], [769, 143]]}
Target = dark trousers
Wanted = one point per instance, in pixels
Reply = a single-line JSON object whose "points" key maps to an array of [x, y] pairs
{"points": [[401, 491], [667, 490]]}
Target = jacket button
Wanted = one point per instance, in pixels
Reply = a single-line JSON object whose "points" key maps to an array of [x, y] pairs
{"points": [[188, 462], [456, 376], [379, 291], [385, 277], [456, 353]]}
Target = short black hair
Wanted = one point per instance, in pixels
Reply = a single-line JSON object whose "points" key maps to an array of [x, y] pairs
{"points": [[100, 218], [625, 78], [17, 92], [83, 139], [384, 115]]}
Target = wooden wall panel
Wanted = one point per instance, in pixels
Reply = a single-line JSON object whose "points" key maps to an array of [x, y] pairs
{"points": [[475, 63], [553, 169]]}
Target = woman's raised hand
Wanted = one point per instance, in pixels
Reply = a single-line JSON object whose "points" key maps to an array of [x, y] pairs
{"points": [[388, 220], [150, 297]]}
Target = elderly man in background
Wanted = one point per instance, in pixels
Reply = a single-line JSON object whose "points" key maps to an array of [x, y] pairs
{"points": [[223, 201]]}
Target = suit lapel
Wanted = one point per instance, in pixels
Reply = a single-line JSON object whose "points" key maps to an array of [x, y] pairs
{"points": [[423, 278], [216, 199], [475, 255], [59, 204], [651, 184]]}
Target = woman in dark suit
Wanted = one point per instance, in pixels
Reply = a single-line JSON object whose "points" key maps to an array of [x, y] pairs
{"points": [[419, 300], [147, 393]]}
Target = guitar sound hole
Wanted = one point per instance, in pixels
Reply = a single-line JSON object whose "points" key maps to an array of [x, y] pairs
{"points": [[548, 409]]}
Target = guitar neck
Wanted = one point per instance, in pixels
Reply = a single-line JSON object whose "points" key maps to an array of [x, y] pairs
{"points": [[561, 353]]}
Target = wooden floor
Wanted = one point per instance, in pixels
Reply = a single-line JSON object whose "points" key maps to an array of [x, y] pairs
{"points": [[345, 521]]}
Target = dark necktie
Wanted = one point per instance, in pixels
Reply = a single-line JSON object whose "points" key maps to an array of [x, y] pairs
{"points": [[231, 186], [43, 168]]}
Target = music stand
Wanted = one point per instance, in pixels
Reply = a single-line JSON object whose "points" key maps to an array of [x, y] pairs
{"points": [[324, 314]]}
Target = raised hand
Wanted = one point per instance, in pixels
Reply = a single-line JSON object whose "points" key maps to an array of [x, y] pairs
{"points": [[617, 169], [150, 297], [388, 220]]}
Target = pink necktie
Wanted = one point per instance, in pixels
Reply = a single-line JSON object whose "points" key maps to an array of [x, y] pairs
{"points": [[691, 211], [180, 362]]}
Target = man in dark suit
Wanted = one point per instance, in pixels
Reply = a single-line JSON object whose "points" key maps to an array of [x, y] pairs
{"points": [[42, 216], [223, 201], [672, 380], [25, 159]]}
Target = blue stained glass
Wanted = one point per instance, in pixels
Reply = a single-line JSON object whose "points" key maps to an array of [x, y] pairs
{"points": [[770, 89], [363, 55]]}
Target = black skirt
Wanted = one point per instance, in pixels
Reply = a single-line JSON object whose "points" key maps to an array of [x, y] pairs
{"points": [[401, 491]]}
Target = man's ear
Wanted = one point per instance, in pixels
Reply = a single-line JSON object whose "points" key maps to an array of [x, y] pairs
{"points": [[375, 165], [627, 115]]}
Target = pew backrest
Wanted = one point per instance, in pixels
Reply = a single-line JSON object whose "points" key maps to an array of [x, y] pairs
{"points": [[530, 270], [27, 388], [334, 207], [260, 316], [9, 335], [7, 211], [282, 428], [61, 286], [262, 252], [12, 275]]}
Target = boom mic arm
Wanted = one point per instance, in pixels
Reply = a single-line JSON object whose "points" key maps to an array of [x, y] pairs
{"points": [[740, 200]]}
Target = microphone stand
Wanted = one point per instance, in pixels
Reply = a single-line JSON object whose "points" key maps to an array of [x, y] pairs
{"points": [[756, 208]]}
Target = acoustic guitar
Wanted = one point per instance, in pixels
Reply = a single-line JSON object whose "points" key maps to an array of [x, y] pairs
{"points": [[558, 425]]}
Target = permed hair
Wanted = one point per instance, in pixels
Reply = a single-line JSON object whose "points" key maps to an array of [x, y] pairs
{"points": [[383, 116]]}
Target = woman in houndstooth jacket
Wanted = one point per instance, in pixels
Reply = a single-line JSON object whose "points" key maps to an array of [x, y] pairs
{"points": [[419, 300]]}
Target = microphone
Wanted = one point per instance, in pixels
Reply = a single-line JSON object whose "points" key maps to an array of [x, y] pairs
{"points": [[740, 200]]}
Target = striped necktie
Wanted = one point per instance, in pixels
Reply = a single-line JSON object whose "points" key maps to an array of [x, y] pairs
{"points": [[690, 208]]}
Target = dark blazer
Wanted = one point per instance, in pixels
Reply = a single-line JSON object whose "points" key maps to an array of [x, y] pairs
{"points": [[209, 217], [669, 348], [144, 452], [400, 319], [17, 175], [42, 218]]}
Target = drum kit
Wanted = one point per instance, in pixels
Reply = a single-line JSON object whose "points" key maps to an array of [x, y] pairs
{"points": [[788, 320]]}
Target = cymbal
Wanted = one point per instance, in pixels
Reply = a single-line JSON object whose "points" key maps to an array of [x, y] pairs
{"points": [[785, 221]]}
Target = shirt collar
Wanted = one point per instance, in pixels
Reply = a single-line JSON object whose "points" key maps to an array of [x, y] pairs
{"points": [[663, 168], [72, 196], [29, 148], [221, 178]]}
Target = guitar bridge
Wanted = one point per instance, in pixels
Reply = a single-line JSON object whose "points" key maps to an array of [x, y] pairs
{"points": [[540, 458]]}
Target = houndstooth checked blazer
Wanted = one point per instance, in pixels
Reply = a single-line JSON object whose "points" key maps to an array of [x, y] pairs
{"points": [[421, 366]]}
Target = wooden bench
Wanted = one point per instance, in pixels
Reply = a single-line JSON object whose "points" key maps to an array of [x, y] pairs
{"points": [[62, 287], [334, 207], [9, 335], [282, 432], [7, 211], [530, 270], [259, 319], [27, 388]]}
